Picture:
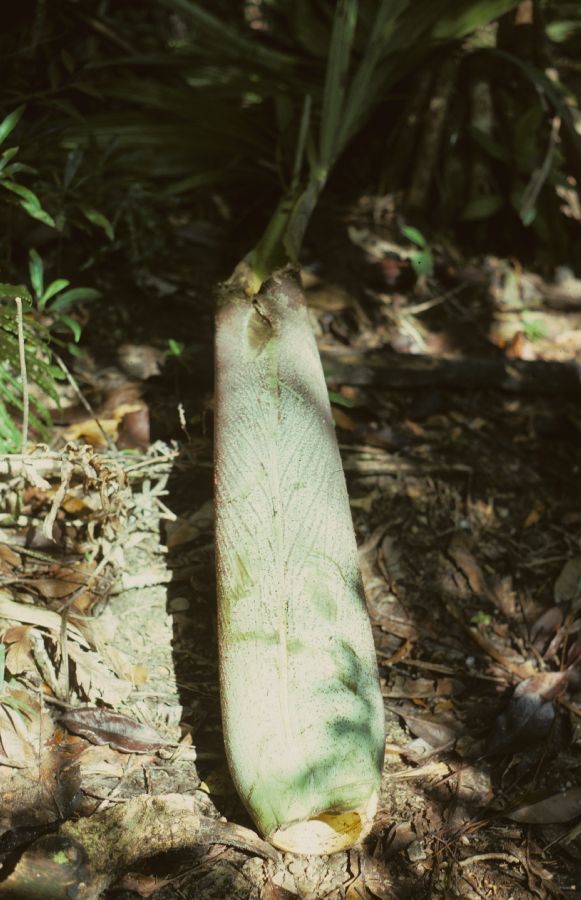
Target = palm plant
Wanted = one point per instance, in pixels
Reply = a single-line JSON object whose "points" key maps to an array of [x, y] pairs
{"points": [[274, 101], [302, 707], [278, 103]]}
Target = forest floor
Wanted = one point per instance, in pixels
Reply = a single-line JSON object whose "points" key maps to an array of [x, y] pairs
{"points": [[466, 504]]}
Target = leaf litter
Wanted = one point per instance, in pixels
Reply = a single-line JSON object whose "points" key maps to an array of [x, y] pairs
{"points": [[469, 537]]}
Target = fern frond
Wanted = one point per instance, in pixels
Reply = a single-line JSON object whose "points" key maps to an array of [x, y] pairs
{"points": [[41, 375]]}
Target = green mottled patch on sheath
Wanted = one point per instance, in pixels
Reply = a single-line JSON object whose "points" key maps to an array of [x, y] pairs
{"points": [[242, 581]]}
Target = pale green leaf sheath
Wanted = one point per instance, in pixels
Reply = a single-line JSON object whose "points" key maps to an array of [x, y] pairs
{"points": [[301, 703]]}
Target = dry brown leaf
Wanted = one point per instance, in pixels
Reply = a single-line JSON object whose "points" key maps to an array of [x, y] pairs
{"points": [[77, 504], [357, 890], [144, 885], [272, 891], [101, 761], [95, 679], [464, 559], [546, 684], [19, 656], [134, 430], [30, 614], [562, 806], [9, 559], [188, 529], [435, 731], [99, 634], [15, 744], [389, 560], [372, 882], [141, 361], [568, 584], [534, 515], [526, 719], [102, 726], [547, 623], [499, 593], [408, 688], [522, 670], [376, 877], [91, 430], [55, 588], [343, 420], [330, 298], [503, 596]]}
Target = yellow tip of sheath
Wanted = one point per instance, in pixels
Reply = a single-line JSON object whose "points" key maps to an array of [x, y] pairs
{"points": [[326, 833]]}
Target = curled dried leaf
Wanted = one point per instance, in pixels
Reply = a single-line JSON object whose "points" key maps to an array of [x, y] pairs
{"points": [[101, 726]]}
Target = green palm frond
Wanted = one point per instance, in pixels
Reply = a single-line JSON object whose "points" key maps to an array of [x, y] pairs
{"points": [[229, 96]]}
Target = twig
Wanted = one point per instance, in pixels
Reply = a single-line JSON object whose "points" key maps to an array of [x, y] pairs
{"points": [[435, 301], [484, 857], [23, 375], [540, 175], [66, 473], [65, 609], [83, 400]]}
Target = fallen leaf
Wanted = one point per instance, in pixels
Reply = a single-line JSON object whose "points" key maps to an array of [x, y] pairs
{"points": [[55, 588], [100, 633], [343, 420], [144, 885], [435, 731], [9, 559], [134, 430], [140, 360], [522, 669], [503, 596], [365, 503], [547, 623], [546, 684], [414, 688], [534, 515], [94, 431], [185, 530], [16, 750], [574, 652], [95, 679], [465, 560], [376, 877], [272, 891], [389, 560], [101, 726], [77, 504], [528, 718], [357, 890], [330, 298], [556, 807], [19, 656], [568, 585], [34, 615]]}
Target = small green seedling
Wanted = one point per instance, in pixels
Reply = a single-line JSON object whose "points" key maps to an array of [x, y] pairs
{"points": [[481, 618], [534, 329], [55, 298], [176, 348], [422, 260]]}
